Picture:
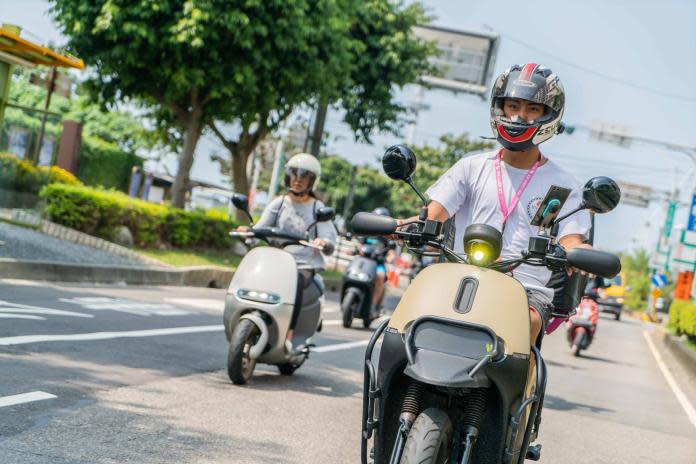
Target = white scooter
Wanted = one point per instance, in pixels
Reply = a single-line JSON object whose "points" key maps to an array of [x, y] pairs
{"points": [[260, 301]]}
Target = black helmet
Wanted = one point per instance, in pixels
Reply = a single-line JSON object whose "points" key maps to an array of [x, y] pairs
{"points": [[533, 83], [382, 211]]}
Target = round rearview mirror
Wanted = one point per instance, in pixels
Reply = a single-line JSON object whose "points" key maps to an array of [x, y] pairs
{"points": [[240, 201], [482, 244], [399, 162], [600, 194], [325, 214]]}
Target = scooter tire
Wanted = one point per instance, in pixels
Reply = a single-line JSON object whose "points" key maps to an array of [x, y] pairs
{"points": [[347, 309], [577, 342], [287, 368], [430, 439], [239, 366]]}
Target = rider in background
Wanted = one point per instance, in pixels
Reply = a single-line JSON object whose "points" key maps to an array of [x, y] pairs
{"points": [[382, 246], [294, 212]]}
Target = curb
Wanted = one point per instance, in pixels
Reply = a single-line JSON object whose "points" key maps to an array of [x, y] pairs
{"points": [[74, 236], [195, 276], [681, 351]]}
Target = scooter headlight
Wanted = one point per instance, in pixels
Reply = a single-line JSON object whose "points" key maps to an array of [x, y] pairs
{"points": [[258, 296], [362, 276], [482, 244]]}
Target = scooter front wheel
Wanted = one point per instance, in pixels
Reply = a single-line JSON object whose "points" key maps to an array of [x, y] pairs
{"points": [[240, 366], [347, 310], [578, 342], [430, 438]]}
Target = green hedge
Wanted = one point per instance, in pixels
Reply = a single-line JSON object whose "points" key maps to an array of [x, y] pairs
{"points": [[104, 164], [99, 212], [682, 317], [22, 176]]}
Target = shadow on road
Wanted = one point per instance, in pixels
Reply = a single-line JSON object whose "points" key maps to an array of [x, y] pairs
{"points": [[561, 404]]}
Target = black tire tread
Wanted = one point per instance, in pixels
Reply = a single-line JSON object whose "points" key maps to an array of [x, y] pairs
{"points": [[431, 430], [347, 309], [241, 334]]}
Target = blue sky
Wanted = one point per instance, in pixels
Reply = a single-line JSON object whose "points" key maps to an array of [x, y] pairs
{"points": [[649, 46]]}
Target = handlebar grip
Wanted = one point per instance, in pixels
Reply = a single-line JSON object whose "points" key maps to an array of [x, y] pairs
{"points": [[596, 262]]}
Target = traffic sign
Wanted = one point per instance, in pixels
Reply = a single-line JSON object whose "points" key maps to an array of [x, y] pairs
{"points": [[692, 215], [659, 280]]}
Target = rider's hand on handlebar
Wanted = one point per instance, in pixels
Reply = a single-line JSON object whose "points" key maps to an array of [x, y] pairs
{"points": [[242, 229]]}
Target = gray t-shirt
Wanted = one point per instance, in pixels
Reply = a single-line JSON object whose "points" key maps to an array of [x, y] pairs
{"points": [[292, 217], [469, 191]]}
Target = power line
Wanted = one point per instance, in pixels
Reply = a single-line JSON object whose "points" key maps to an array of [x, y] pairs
{"points": [[599, 74]]}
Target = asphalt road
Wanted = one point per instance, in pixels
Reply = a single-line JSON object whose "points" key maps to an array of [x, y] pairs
{"points": [[128, 374]]}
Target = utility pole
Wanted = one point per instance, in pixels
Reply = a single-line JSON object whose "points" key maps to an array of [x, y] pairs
{"points": [[51, 87], [349, 198], [318, 132]]}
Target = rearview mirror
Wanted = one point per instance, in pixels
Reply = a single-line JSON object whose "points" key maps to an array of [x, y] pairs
{"points": [[399, 162], [600, 194], [325, 214], [241, 202]]}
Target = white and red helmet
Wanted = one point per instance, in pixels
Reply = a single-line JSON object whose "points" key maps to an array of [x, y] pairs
{"points": [[534, 83]]}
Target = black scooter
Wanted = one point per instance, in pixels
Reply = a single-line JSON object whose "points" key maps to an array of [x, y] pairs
{"points": [[358, 285]]}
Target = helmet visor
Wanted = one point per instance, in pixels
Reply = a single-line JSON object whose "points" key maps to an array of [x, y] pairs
{"points": [[299, 173]]}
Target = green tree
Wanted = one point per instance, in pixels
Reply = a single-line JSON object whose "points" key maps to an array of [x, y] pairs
{"points": [[109, 138], [175, 57], [636, 267], [353, 54]]}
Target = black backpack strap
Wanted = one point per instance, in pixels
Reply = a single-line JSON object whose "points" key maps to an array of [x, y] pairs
{"points": [[314, 215], [282, 202]]}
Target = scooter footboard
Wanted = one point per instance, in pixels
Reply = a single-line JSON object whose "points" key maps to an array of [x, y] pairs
{"points": [[370, 392]]}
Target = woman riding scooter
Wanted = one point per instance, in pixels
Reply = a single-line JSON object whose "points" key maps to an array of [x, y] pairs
{"points": [[294, 213]]}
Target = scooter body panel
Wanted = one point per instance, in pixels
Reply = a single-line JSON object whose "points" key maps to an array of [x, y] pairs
{"points": [[272, 271], [366, 268], [496, 301]]}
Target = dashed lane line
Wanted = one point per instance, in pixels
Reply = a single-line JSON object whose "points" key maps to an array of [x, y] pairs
{"points": [[22, 398]]}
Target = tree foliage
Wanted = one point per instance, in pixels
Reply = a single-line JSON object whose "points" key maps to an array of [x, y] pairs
{"points": [[636, 266]]}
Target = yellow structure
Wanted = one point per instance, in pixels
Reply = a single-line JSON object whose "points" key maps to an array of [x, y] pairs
{"points": [[17, 51]]}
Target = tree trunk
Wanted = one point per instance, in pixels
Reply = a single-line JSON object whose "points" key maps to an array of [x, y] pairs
{"points": [[192, 133]]}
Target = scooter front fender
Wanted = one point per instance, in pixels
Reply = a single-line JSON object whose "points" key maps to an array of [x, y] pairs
{"points": [[256, 350]]}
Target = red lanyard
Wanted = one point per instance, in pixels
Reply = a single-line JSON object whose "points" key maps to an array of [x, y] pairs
{"points": [[515, 199]]}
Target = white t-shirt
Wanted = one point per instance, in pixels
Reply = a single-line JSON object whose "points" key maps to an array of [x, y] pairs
{"points": [[468, 191]]}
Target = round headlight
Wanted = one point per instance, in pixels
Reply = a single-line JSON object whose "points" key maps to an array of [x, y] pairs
{"points": [[480, 253], [482, 244]]}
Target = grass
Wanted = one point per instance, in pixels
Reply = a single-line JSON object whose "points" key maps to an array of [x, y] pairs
{"points": [[194, 257], [203, 257]]}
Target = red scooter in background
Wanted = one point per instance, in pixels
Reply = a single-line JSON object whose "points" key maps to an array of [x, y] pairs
{"points": [[583, 324]]}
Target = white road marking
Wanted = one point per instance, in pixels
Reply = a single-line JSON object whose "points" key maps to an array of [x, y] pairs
{"points": [[332, 322], [124, 305], [24, 398], [681, 397], [25, 339], [20, 316], [339, 346], [331, 308], [202, 303], [16, 308]]}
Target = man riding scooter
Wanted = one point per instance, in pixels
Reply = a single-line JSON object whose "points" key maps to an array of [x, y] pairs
{"points": [[363, 281]]}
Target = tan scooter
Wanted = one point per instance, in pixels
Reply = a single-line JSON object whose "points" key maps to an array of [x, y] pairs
{"points": [[451, 382]]}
